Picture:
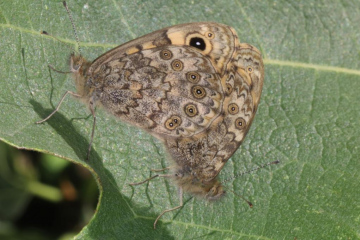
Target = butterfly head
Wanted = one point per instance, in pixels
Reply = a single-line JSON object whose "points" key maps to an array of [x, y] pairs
{"points": [[79, 66], [211, 190], [215, 192]]}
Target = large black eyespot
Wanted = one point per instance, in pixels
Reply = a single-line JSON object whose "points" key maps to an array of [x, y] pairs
{"points": [[197, 42]]}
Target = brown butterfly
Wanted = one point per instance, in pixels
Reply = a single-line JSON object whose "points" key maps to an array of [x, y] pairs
{"points": [[194, 86]]}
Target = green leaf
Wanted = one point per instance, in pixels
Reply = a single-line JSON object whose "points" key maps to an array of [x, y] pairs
{"points": [[309, 117]]}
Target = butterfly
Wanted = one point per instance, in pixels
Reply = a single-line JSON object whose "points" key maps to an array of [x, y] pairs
{"points": [[194, 86]]}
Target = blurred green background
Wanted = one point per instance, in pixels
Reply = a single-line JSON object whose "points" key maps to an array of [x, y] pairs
{"points": [[43, 196]]}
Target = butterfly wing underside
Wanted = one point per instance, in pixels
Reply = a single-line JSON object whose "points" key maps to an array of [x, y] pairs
{"points": [[204, 155], [194, 86], [162, 83]]}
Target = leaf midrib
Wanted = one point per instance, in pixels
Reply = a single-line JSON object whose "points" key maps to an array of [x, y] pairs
{"points": [[268, 61]]}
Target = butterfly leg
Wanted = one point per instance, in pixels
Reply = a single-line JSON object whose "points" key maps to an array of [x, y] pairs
{"points": [[150, 178], [160, 170], [51, 66], [92, 109], [58, 106], [146, 180], [180, 192]]}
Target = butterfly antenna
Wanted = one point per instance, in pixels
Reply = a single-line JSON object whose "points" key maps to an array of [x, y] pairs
{"points": [[57, 39], [252, 170], [247, 201], [73, 26]]}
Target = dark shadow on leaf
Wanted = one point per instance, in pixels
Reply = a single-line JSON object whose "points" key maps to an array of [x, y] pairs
{"points": [[120, 222], [114, 211], [66, 130], [133, 189]]}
